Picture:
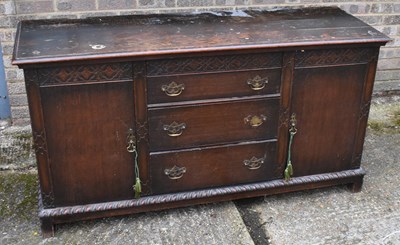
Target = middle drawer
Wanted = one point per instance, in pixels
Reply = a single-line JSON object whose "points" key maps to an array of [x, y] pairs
{"points": [[212, 124]]}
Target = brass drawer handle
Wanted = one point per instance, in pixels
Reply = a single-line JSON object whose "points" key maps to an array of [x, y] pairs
{"points": [[255, 121], [253, 163], [174, 129], [173, 89], [257, 83], [175, 172]]}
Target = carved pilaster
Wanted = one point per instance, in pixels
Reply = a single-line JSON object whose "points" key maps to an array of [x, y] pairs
{"points": [[140, 96], [284, 111], [364, 110], [39, 142], [365, 104]]}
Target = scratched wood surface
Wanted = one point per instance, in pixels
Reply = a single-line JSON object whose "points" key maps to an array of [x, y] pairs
{"points": [[127, 36]]}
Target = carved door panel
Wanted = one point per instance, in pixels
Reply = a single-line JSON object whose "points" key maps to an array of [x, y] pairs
{"points": [[327, 94], [86, 128]]}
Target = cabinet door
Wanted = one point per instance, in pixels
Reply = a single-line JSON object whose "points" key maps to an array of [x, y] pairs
{"points": [[327, 99], [86, 128]]}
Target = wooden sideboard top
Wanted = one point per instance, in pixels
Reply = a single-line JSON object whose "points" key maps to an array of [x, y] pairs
{"points": [[42, 41]]}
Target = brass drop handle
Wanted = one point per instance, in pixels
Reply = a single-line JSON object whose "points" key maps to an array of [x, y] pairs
{"points": [[130, 141], [255, 121], [131, 148], [175, 172], [173, 89], [288, 173], [257, 83], [174, 129], [253, 163]]}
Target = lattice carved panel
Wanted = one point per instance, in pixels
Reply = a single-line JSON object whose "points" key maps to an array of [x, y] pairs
{"points": [[85, 74], [213, 64], [333, 57]]}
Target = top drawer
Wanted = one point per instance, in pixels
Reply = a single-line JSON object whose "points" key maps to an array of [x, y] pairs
{"points": [[214, 64], [175, 88], [199, 78]]}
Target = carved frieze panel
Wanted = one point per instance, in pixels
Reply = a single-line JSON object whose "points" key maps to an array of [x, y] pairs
{"points": [[214, 63], [333, 57], [85, 73]]}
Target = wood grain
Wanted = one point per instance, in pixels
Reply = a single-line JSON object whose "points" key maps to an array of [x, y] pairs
{"points": [[136, 36]]}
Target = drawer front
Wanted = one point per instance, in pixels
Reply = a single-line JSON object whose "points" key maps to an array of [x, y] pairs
{"points": [[219, 166], [189, 126], [213, 85]]}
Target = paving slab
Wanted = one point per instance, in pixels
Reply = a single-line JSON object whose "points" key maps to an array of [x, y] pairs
{"points": [[203, 224], [335, 215]]}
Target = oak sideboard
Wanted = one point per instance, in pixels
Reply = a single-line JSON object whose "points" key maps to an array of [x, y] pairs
{"points": [[140, 113]]}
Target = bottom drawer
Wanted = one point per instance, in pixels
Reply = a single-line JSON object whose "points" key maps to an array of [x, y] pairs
{"points": [[213, 166]]}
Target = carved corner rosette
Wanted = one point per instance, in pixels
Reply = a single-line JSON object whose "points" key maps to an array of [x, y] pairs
{"points": [[142, 131], [48, 200], [289, 63], [39, 142], [30, 76], [356, 160], [374, 54], [283, 118]]}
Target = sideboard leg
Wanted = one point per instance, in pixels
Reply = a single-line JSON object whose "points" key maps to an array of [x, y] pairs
{"points": [[356, 186], [47, 227]]}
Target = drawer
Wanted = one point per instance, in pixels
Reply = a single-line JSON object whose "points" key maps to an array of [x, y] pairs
{"points": [[166, 89], [214, 166], [219, 123]]}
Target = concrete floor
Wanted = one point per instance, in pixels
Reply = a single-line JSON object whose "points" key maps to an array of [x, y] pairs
{"points": [[336, 216]]}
